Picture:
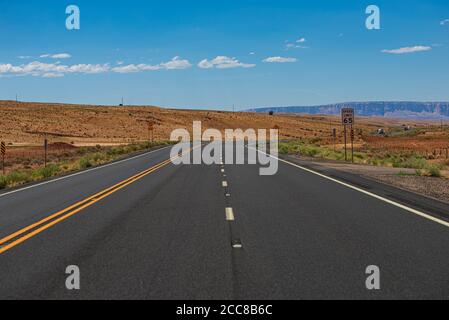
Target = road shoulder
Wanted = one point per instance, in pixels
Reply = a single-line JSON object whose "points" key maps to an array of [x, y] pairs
{"points": [[432, 206]]}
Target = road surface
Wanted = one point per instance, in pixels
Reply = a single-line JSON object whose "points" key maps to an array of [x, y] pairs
{"points": [[140, 230]]}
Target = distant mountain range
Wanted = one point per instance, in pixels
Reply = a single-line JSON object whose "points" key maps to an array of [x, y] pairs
{"points": [[406, 110]]}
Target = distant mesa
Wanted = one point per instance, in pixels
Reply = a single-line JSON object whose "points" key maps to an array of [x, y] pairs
{"points": [[405, 110]]}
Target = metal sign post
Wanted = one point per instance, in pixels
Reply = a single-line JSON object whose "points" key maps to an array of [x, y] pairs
{"points": [[346, 145], [3, 151], [347, 117], [151, 131], [45, 151], [352, 142], [334, 134]]}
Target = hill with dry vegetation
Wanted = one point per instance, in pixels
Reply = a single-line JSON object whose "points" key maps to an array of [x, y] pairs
{"points": [[29, 123]]}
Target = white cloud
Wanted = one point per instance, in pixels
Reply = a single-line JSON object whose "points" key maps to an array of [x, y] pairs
{"points": [[88, 68], [53, 70], [176, 63], [132, 68], [223, 62], [56, 69], [298, 44], [280, 60], [444, 22], [56, 56], [24, 57], [52, 75], [408, 50]]}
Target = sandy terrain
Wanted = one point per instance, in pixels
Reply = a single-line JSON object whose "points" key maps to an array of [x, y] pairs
{"points": [[29, 123], [24, 126]]}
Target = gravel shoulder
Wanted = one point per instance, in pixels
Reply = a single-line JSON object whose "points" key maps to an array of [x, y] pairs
{"points": [[436, 188]]}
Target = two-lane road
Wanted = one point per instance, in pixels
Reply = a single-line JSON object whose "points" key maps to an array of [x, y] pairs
{"points": [[146, 229]]}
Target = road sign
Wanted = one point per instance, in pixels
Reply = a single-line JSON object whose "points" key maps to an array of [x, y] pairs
{"points": [[347, 116], [3, 148]]}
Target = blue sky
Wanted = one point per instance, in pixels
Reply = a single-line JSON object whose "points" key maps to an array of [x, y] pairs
{"points": [[212, 54]]}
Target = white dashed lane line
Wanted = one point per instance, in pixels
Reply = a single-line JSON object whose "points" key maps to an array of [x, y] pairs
{"points": [[230, 214]]}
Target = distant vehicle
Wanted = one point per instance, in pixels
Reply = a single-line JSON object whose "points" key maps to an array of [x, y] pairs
{"points": [[381, 132], [406, 128]]}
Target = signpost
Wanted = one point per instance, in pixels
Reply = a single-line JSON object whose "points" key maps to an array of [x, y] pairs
{"points": [[334, 135], [151, 131], [352, 142], [45, 151], [3, 151], [348, 119]]}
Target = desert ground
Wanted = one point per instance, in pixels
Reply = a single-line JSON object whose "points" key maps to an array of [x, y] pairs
{"points": [[24, 126]]}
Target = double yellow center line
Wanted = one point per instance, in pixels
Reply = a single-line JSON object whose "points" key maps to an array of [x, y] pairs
{"points": [[34, 229]]}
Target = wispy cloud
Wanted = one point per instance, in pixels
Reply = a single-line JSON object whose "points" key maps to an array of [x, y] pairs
{"points": [[444, 22], [51, 70], [405, 50], [57, 56], [52, 75], [133, 68], [298, 44], [175, 64], [56, 70], [223, 62], [280, 60]]}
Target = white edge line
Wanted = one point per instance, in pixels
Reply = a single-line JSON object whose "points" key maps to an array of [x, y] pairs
{"points": [[396, 204], [80, 173]]}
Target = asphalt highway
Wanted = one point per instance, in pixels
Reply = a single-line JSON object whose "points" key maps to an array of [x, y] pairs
{"points": [[144, 228]]}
